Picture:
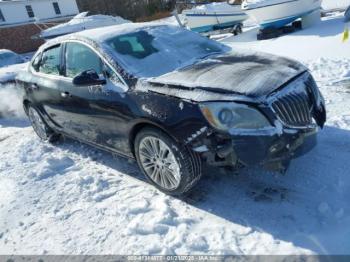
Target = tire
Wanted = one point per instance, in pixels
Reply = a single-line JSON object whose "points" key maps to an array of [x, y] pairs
{"points": [[237, 29], [43, 131], [175, 170]]}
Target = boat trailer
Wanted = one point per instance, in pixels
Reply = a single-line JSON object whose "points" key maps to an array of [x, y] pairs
{"points": [[215, 29], [269, 33]]}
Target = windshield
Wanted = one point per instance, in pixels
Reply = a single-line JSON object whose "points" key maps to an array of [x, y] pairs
{"points": [[159, 50], [9, 58]]}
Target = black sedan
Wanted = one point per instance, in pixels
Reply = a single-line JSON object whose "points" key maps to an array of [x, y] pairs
{"points": [[173, 100]]}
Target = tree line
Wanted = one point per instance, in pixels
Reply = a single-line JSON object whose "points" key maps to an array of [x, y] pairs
{"points": [[134, 10]]}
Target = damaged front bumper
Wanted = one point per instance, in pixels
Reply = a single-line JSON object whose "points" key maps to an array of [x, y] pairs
{"points": [[295, 113], [273, 152]]}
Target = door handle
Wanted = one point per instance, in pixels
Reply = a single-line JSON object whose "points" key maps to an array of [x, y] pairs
{"points": [[65, 94]]}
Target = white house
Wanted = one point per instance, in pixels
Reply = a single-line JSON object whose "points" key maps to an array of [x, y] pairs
{"points": [[18, 19], [14, 12]]}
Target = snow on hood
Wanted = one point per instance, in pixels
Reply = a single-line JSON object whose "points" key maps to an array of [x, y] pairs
{"points": [[242, 73], [82, 22]]}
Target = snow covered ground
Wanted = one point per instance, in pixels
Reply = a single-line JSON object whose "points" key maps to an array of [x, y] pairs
{"points": [[320, 41], [73, 199]]}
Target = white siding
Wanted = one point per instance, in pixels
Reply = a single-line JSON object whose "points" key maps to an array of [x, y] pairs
{"points": [[15, 12]]}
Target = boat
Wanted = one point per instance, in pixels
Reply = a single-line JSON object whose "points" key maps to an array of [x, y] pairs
{"points": [[214, 16], [81, 22], [335, 5], [274, 14], [347, 14]]}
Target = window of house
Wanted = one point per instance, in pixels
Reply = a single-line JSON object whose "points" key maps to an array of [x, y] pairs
{"points": [[80, 58], [50, 61], [57, 8], [2, 18], [30, 11]]}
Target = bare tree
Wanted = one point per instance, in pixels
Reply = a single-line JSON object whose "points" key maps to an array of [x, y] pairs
{"points": [[130, 9]]}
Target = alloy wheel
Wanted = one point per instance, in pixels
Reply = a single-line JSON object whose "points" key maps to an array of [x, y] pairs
{"points": [[159, 162], [37, 123]]}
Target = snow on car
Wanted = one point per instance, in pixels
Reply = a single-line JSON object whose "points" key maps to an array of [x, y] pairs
{"points": [[246, 109], [74, 199]]}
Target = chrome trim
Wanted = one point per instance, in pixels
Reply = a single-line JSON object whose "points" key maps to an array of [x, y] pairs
{"points": [[293, 106]]}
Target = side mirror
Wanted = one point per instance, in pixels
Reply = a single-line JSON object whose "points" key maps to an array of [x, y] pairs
{"points": [[88, 78]]}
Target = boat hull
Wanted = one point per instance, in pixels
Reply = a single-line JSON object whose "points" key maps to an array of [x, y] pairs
{"points": [[204, 21], [280, 14]]}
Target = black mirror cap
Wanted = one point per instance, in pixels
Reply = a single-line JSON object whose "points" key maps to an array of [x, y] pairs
{"points": [[88, 78]]}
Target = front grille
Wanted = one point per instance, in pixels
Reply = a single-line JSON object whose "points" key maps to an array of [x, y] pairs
{"points": [[294, 109]]}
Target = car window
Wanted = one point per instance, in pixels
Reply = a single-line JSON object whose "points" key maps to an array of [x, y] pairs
{"points": [[80, 58], [50, 61]]}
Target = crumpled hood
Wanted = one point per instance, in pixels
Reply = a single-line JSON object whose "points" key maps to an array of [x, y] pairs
{"points": [[250, 74]]}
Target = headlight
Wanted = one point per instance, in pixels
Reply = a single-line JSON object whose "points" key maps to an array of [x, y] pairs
{"points": [[226, 116]]}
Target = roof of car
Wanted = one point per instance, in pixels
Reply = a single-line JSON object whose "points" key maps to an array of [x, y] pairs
{"points": [[99, 35]]}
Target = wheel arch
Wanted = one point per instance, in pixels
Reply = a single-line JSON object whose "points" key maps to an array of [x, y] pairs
{"points": [[191, 162], [141, 125]]}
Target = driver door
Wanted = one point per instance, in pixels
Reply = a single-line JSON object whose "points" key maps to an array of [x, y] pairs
{"points": [[95, 114]]}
